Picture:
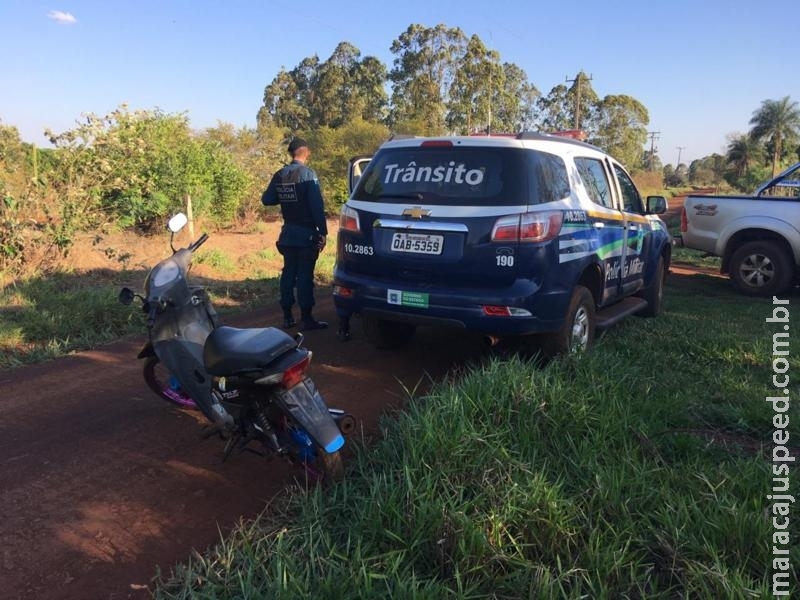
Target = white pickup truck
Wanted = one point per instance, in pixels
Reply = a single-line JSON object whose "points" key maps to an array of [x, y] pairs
{"points": [[757, 237]]}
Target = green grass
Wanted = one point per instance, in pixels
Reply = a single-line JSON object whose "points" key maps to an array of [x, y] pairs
{"points": [[634, 471], [43, 318], [696, 258], [214, 258]]}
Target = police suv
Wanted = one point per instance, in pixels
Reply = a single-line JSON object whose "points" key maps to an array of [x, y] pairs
{"points": [[502, 235]]}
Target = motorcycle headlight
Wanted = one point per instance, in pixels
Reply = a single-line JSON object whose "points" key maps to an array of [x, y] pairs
{"points": [[166, 273]]}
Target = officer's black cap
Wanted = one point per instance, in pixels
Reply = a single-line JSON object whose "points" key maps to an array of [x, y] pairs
{"points": [[296, 143]]}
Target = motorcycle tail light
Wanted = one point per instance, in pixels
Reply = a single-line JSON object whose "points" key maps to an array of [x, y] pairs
{"points": [[294, 374]]}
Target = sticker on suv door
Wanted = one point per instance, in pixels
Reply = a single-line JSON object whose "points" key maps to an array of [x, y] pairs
{"points": [[400, 298]]}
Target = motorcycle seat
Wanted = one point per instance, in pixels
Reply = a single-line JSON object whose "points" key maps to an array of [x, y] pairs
{"points": [[230, 351]]}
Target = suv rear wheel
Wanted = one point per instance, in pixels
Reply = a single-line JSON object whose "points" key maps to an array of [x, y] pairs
{"points": [[387, 335], [577, 333]]}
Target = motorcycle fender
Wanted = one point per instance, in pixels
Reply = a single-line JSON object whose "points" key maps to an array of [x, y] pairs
{"points": [[146, 351], [305, 405]]}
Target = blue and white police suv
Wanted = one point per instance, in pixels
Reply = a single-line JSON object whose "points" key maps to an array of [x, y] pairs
{"points": [[506, 236]]}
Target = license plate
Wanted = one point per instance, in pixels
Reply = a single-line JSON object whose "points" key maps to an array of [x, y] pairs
{"points": [[417, 243]]}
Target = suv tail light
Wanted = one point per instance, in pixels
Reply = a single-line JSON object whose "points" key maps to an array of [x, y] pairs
{"points": [[348, 220], [684, 220], [528, 227]]}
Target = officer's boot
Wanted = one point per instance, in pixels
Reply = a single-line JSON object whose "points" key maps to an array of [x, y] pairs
{"points": [[288, 318], [309, 322]]}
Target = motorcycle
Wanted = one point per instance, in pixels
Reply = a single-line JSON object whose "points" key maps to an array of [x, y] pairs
{"points": [[250, 384]]}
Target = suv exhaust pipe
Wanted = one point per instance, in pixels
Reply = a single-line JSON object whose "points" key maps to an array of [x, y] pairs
{"points": [[491, 340]]}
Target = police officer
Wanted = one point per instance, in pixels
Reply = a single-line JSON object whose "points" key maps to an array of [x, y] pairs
{"points": [[296, 188]]}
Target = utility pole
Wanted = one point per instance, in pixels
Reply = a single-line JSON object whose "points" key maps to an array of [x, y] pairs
{"points": [[578, 81], [653, 135], [680, 149]]}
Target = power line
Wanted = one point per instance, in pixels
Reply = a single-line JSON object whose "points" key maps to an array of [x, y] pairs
{"points": [[680, 149]]}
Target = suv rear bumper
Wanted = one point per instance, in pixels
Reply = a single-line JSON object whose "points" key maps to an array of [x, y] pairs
{"points": [[459, 308]]}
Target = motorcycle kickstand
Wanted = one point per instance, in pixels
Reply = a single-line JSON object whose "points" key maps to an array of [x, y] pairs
{"points": [[232, 443]]}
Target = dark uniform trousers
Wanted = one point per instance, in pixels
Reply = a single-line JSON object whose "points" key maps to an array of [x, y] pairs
{"points": [[298, 271]]}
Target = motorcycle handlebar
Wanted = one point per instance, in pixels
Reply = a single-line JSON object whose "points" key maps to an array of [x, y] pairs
{"points": [[200, 241]]}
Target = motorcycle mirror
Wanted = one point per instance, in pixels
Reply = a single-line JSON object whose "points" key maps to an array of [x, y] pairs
{"points": [[177, 222], [126, 296]]}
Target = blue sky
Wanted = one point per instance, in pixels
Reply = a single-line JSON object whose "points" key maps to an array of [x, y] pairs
{"points": [[700, 68]]}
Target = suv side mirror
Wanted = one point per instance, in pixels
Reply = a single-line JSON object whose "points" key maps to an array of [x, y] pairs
{"points": [[656, 205]]}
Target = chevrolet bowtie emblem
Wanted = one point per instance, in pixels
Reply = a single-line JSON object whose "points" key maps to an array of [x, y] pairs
{"points": [[416, 212]]}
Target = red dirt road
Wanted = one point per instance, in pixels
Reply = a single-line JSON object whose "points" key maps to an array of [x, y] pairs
{"points": [[101, 483]]}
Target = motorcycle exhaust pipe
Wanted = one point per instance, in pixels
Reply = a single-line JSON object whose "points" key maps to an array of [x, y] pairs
{"points": [[345, 422]]}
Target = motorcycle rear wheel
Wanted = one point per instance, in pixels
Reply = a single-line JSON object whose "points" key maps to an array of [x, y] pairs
{"points": [[160, 380]]}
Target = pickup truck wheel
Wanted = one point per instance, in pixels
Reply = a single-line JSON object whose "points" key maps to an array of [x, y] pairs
{"points": [[654, 295], [761, 268], [577, 333], [387, 335]]}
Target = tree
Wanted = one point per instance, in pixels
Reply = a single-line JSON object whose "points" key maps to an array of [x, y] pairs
{"points": [[777, 121], [709, 170], [333, 148], [514, 103], [621, 128], [743, 150], [335, 100], [424, 69], [649, 160], [370, 77], [471, 96], [326, 94], [554, 111], [569, 108], [284, 105]]}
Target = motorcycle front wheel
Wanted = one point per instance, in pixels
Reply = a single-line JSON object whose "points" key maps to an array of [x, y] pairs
{"points": [[164, 384]]}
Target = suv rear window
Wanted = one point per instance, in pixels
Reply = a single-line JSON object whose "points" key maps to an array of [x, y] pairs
{"points": [[458, 175]]}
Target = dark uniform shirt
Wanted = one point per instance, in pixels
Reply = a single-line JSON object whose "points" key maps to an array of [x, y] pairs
{"points": [[296, 188]]}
